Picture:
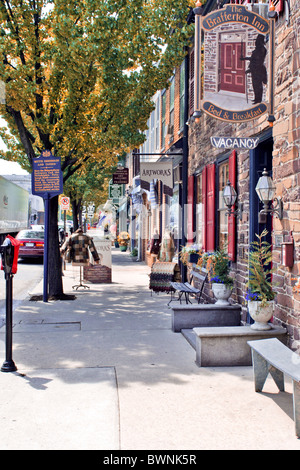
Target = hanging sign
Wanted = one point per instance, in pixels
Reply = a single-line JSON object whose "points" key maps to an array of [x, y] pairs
{"points": [[162, 171], [115, 191], [46, 175], [120, 176], [236, 57], [234, 142]]}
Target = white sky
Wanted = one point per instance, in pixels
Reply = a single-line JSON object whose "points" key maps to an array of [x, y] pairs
{"points": [[9, 168]]}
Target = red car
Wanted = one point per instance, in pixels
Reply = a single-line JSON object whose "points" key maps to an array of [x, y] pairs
{"points": [[31, 243]]}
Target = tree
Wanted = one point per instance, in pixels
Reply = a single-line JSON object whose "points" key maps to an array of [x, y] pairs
{"points": [[79, 79]]}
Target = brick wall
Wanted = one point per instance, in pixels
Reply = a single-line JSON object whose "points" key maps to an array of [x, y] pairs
{"points": [[286, 167]]}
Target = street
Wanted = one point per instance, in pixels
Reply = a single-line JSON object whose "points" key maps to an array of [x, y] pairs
{"points": [[29, 273]]}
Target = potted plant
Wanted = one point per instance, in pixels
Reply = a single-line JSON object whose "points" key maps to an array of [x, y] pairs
{"points": [[217, 264], [134, 254], [123, 239], [260, 294]]}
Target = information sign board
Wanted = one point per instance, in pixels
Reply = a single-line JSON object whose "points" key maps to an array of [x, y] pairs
{"points": [[47, 175]]}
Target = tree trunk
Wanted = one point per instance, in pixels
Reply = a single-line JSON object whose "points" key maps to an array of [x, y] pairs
{"points": [[75, 209]]}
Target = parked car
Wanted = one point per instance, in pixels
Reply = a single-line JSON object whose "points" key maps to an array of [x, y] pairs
{"points": [[31, 243]]}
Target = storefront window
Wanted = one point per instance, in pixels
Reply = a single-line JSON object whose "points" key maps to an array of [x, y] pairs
{"points": [[222, 217], [199, 212]]}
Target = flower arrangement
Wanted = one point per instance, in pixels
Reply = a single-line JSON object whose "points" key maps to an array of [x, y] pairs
{"points": [[217, 264], [259, 286], [123, 238]]}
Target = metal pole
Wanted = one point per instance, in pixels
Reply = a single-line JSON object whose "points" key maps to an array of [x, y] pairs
{"points": [[8, 364], [46, 243]]}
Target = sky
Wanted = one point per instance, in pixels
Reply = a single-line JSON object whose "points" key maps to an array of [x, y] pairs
{"points": [[9, 168]]}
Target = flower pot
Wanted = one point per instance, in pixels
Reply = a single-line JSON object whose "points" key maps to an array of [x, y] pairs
{"points": [[193, 258], [261, 314], [221, 293], [123, 247]]}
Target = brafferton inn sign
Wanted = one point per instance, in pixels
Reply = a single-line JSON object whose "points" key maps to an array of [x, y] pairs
{"points": [[237, 70]]}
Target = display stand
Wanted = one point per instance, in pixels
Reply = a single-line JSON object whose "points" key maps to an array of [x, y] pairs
{"points": [[80, 282]]}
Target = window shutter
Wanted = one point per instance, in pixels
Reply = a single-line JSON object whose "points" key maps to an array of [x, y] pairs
{"points": [[191, 84], [232, 219], [190, 214], [210, 208], [204, 235]]}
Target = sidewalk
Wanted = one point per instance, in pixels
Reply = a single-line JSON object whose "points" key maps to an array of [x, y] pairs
{"points": [[105, 371]]}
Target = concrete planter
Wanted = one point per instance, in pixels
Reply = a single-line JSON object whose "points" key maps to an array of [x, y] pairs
{"points": [[191, 316], [221, 293], [261, 315]]}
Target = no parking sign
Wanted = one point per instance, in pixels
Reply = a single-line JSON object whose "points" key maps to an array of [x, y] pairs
{"points": [[65, 203]]}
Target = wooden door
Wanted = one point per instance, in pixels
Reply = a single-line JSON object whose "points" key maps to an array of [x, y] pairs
{"points": [[232, 68]]}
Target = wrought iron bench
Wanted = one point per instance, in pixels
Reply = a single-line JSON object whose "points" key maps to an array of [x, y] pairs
{"points": [[271, 355], [187, 289]]}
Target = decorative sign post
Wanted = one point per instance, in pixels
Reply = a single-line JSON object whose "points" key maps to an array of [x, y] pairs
{"points": [[238, 64], [46, 182]]}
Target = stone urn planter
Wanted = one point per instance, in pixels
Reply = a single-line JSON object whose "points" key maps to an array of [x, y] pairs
{"points": [[221, 292], [261, 314]]}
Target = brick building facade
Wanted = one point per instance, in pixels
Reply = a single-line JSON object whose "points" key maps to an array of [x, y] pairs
{"points": [[209, 169], [278, 151]]}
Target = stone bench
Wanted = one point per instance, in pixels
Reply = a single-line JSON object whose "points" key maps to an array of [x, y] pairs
{"points": [[228, 346], [191, 316], [270, 355]]}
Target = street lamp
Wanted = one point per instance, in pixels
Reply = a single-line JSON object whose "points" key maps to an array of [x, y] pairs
{"points": [[230, 197], [266, 189]]}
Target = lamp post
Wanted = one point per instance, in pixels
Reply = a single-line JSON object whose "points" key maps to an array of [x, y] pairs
{"points": [[266, 189]]}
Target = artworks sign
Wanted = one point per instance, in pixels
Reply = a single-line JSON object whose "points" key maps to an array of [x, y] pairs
{"points": [[162, 171], [235, 64], [234, 142], [46, 175]]}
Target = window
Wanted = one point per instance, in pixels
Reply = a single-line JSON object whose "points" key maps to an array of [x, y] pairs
{"points": [[172, 101], [163, 119], [157, 122], [182, 95], [199, 212]]}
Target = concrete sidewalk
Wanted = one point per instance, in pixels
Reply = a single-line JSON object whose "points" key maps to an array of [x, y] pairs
{"points": [[105, 371]]}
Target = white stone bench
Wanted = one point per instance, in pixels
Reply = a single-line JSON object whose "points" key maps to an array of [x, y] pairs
{"points": [[270, 355], [223, 346]]}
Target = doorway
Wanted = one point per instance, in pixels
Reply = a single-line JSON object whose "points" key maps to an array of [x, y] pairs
{"points": [[260, 158]]}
